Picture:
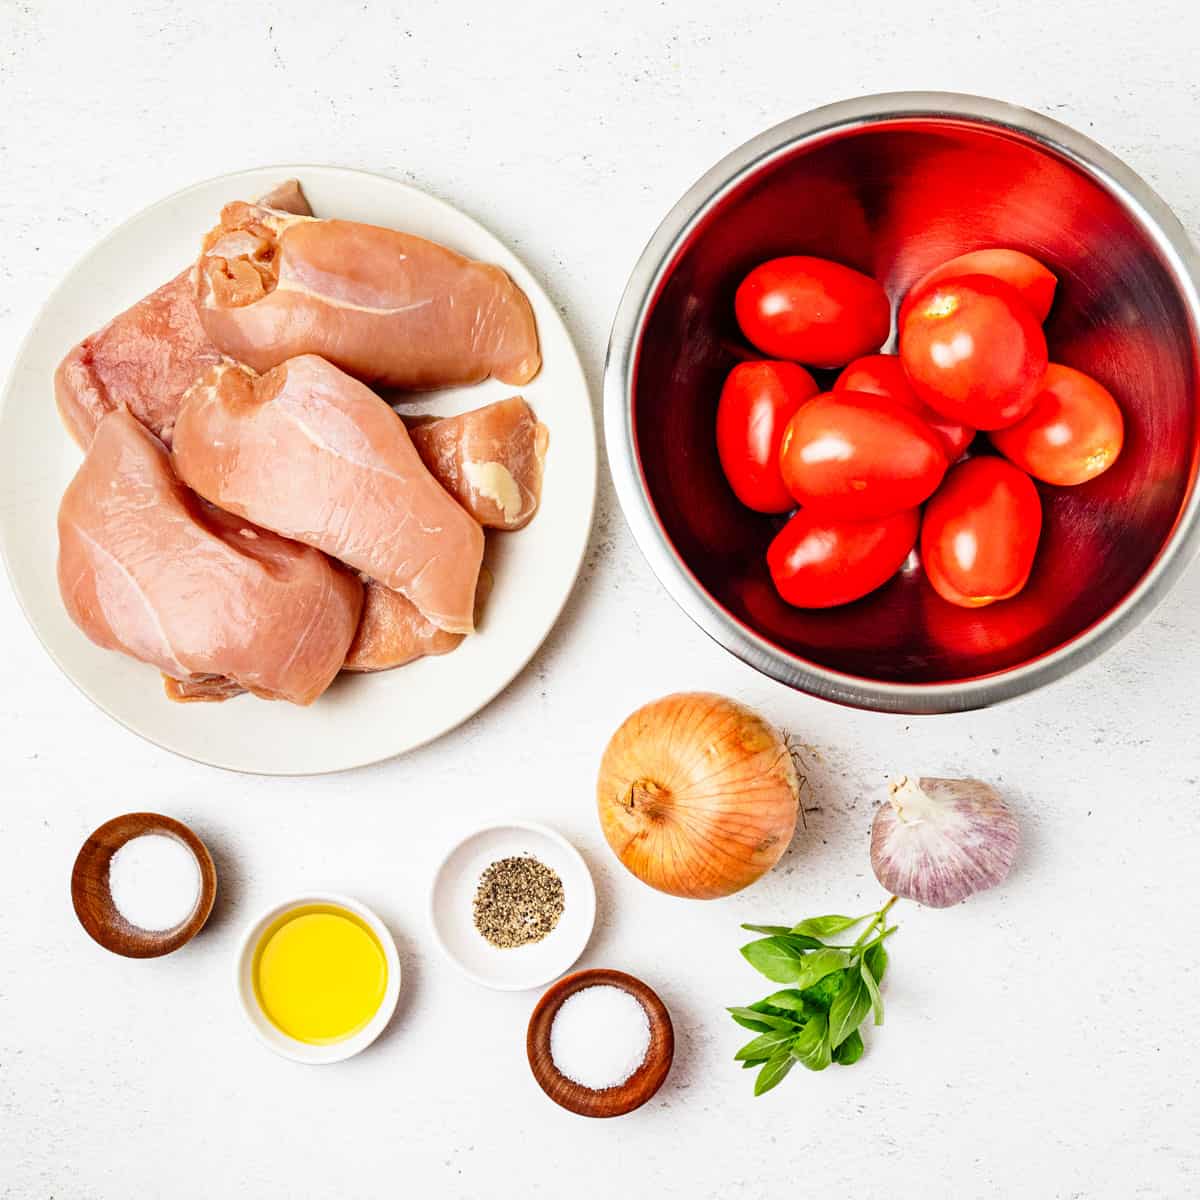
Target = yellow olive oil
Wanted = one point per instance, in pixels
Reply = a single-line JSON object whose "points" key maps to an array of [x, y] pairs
{"points": [[320, 974]]}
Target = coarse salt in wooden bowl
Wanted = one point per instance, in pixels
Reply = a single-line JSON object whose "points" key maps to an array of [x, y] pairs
{"points": [[609, 1102], [93, 900]]}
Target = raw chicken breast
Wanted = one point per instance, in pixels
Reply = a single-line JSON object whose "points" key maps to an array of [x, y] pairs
{"points": [[385, 306], [490, 460], [148, 356], [143, 360], [144, 567], [315, 455], [392, 633]]}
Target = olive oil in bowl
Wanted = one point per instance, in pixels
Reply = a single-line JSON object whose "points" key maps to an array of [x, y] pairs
{"points": [[319, 977], [320, 974]]}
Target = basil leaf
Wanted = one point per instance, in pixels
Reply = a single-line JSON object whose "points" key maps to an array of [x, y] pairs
{"points": [[751, 1018], [762, 1007], [825, 926], [763, 1010], [872, 986], [850, 1051], [811, 1044], [849, 1008], [816, 964], [781, 962], [820, 995], [801, 941], [751, 1023], [774, 958], [790, 999], [766, 1044], [877, 959], [772, 1072], [768, 929]]}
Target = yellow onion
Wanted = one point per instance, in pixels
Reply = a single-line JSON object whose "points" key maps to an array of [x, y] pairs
{"points": [[698, 795]]}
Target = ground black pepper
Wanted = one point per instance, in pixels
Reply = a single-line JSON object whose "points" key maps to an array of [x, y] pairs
{"points": [[518, 901]]}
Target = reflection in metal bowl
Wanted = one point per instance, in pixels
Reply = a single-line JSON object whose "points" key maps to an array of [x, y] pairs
{"points": [[895, 185]]}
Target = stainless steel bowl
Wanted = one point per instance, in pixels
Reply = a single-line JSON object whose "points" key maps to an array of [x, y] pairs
{"points": [[894, 185]]}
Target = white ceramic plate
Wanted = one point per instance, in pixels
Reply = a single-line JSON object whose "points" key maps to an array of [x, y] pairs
{"points": [[361, 719], [450, 907], [266, 1030]]}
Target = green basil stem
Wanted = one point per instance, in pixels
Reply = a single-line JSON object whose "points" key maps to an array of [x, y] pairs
{"points": [[878, 919], [866, 945], [876, 941]]}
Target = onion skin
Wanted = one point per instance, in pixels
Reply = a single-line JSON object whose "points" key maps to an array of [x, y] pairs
{"points": [[698, 795], [939, 841]]}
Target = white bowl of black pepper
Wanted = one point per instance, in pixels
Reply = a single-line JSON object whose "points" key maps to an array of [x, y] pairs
{"points": [[512, 905]]}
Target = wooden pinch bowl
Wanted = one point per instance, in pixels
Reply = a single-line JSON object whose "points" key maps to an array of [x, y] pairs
{"points": [[625, 1097], [94, 903]]}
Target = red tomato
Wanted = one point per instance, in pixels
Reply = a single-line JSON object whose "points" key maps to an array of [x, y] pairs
{"points": [[757, 401], [816, 562], [812, 310], [855, 457], [1034, 282], [980, 532], [1073, 433], [973, 351], [883, 375]]}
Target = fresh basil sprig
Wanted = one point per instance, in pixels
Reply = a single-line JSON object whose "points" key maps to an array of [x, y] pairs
{"points": [[831, 991]]}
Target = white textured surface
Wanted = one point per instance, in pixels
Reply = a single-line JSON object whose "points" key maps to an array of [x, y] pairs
{"points": [[1041, 1040]]}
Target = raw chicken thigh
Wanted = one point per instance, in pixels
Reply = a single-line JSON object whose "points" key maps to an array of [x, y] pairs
{"points": [[490, 460], [144, 567], [213, 688], [392, 633], [148, 356], [315, 455], [386, 306], [287, 197]]}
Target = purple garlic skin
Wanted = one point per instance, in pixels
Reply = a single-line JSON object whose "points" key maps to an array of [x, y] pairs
{"points": [[939, 841]]}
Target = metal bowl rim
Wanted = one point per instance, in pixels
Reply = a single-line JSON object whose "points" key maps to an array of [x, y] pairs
{"points": [[1134, 195]]}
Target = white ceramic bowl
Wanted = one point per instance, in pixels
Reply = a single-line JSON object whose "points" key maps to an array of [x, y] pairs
{"points": [[453, 891], [268, 1033]]}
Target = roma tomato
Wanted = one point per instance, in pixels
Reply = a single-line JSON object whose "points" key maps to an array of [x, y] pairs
{"points": [[974, 352], [757, 401], [817, 562], [813, 311], [1073, 433], [1034, 282], [883, 375], [856, 457], [980, 532]]}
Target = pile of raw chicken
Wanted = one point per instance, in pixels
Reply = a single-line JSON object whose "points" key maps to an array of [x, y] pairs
{"points": [[250, 515]]}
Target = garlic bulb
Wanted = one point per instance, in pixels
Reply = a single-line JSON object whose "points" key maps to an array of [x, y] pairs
{"points": [[939, 841]]}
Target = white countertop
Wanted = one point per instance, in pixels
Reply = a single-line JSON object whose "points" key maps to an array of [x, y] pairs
{"points": [[1041, 1039]]}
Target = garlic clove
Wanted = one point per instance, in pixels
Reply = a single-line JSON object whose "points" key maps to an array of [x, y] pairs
{"points": [[938, 841]]}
